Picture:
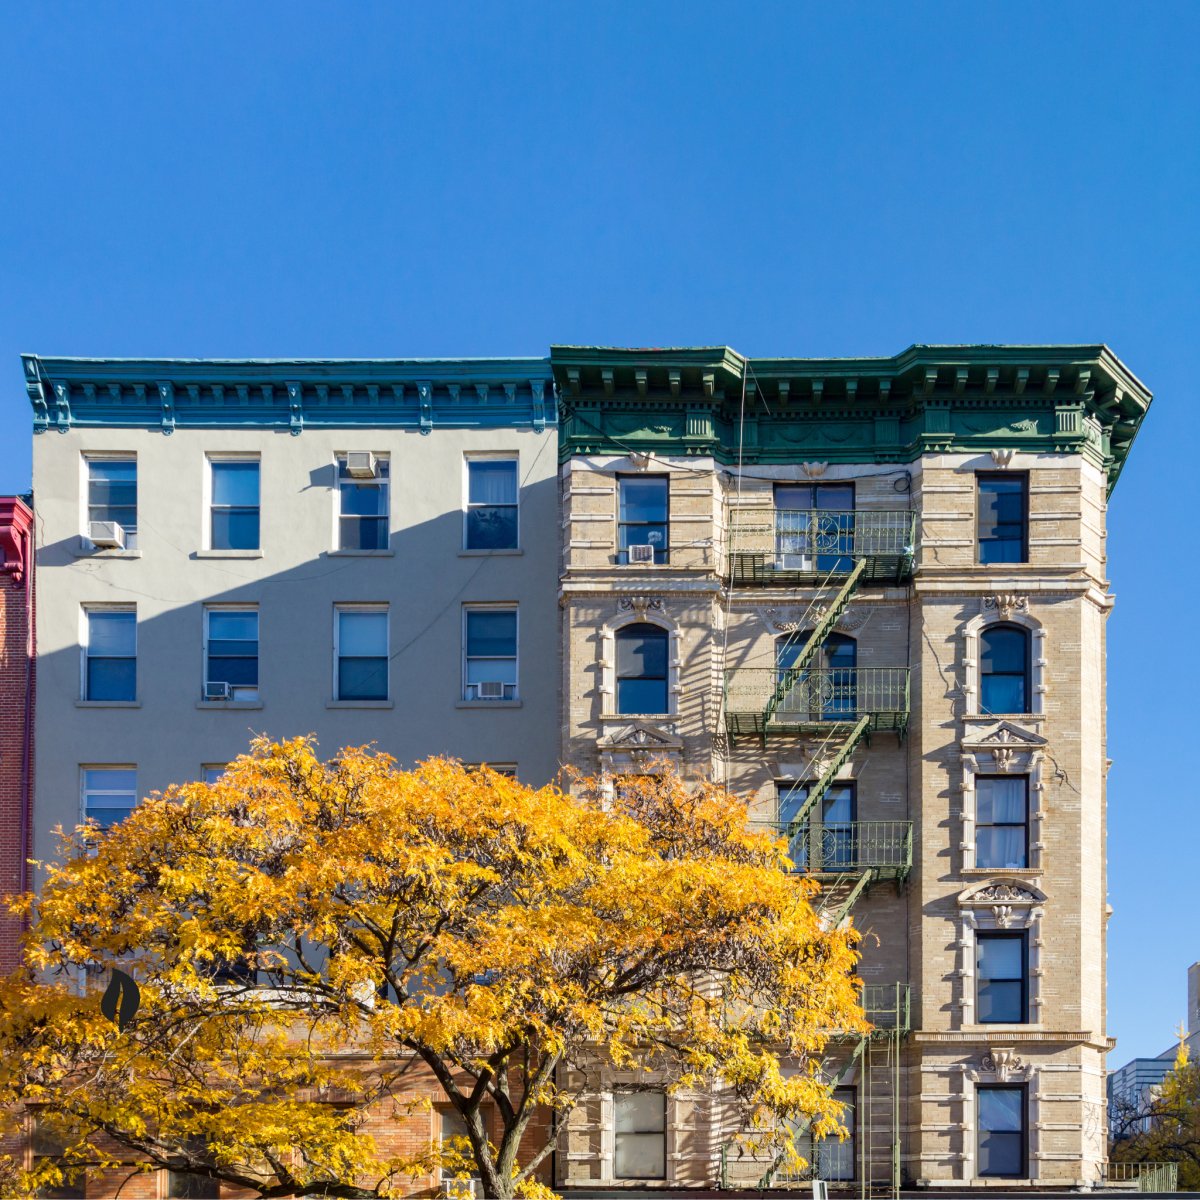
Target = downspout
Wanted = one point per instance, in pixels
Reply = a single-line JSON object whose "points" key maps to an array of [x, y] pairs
{"points": [[27, 729]]}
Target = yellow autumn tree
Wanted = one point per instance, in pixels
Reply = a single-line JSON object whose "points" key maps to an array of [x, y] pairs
{"points": [[307, 936]]}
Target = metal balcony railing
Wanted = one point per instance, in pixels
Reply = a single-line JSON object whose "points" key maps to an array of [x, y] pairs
{"points": [[852, 848], [1145, 1176], [765, 700], [888, 1006], [769, 545]]}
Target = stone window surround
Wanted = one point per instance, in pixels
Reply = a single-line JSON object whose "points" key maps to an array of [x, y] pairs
{"points": [[1000, 905], [1001, 1065], [1003, 610], [622, 1081], [637, 610], [1013, 756]]}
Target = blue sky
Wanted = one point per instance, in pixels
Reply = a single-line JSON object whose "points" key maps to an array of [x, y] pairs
{"points": [[380, 179]]}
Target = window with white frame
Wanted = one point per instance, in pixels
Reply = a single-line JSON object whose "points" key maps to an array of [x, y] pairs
{"points": [[640, 1139], [234, 504], [489, 653], [491, 521], [112, 502], [109, 794], [360, 649], [1002, 821], [213, 772], [362, 501], [46, 1143], [110, 654], [643, 518], [230, 654]]}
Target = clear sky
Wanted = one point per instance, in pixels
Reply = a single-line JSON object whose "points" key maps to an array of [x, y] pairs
{"points": [[304, 179]]}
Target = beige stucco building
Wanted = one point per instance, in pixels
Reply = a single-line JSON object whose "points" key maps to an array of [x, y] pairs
{"points": [[871, 596]]}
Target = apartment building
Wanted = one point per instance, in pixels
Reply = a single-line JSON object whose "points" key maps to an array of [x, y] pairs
{"points": [[870, 595], [363, 550], [17, 684]]}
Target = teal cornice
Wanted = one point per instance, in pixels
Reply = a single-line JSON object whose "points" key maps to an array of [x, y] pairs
{"points": [[1069, 399], [170, 393]]}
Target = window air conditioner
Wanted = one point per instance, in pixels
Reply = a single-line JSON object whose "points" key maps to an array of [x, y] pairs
{"points": [[216, 691], [491, 689], [361, 464], [641, 554], [108, 535]]}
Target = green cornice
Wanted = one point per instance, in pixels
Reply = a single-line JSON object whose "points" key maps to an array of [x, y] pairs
{"points": [[1066, 399], [166, 393]]}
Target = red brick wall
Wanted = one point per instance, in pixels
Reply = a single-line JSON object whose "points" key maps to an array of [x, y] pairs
{"points": [[16, 709]]}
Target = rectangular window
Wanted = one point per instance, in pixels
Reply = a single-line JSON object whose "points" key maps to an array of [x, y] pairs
{"points": [[362, 502], [835, 1158], [492, 491], [214, 771], [109, 794], [501, 768], [235, 504], [641, 1135], [643, 517], [361, 653], [45, 1143], [1002, 518], [110, 654], [814, 526], [231, 654], [1001, 1131], [489, 653], [112, 499], [830, 844], [1001, 995], [1001, 821]]}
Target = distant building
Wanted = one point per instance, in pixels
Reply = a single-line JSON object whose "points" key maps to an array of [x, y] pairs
{"points": [[17, 670]]}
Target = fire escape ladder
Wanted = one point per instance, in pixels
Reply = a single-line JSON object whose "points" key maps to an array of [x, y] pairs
{"points": [[788, 678], [835, 764]]}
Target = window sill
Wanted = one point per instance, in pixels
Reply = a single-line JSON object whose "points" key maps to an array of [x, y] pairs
{"points": [[488, 704], [108, 704], [1015, 872], [360, 704], [490, 553], [1004, 717], [360, 553], [659, 718], [227, 554], [1001, 1029], [87, 550], [229, 704]]}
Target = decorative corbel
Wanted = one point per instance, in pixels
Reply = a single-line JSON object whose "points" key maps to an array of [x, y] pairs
{"points": [[510, 392], [639, 378], [481, 391], [640, 604], [37, 394], [1020, 380], [537, 392], [425, 399], [1006, 603], [785, 388], [885, 390], [931, 375], [708, 382], [166, 398], [1002, 457], [814, 470], [851, 390], [1001, 1061], [606, 378], [960, 380], [295, 391], [62, 399], [1051, 381], [674, 379], [818, 389], [991, 379]]}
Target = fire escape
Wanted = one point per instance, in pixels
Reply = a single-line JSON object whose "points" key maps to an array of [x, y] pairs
{"points": [[828, 557]]}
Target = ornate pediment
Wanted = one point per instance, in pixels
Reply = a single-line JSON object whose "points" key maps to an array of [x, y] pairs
{"points": [[1010, 746], [1002, 891], [641, 735]]}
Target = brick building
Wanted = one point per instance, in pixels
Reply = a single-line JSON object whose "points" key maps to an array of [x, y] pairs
{"points": [[17, 669]]}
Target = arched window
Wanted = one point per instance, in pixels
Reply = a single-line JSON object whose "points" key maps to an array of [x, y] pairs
{"points": [[642, 670], [827, 690], [1004, 670]]}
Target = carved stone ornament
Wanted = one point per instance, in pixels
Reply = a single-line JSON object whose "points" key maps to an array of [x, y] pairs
{"points": [[641, 736], [1002, 457], [814, 470], [792, 621], [640, 461], [1006, 603], [1002, 1061], [640, 604], [1006, 892], [1003, 914]]}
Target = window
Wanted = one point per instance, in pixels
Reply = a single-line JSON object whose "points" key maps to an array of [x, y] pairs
{"points": [[641, 1135], [456, 1161], [1004, 670], [234, 505], [213, 772], [1001, 1131], [361, 653], [490, 654], [44, 1143], [112, 495], [1002, 518], [830, 845], [231, 654], [109, 794], [835, 1158], [110, 654], [1001, 821], [827, 690], [508, 769], [1001, 994], [183, 1185], [642, 670], [492, 489], [814, 526], [362, 504], [643, 516]]}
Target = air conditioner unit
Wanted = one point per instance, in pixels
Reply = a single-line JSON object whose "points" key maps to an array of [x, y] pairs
{"points": [[361, 464], [108, 535], [216, 691], [490, 689], [643, 554]]}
